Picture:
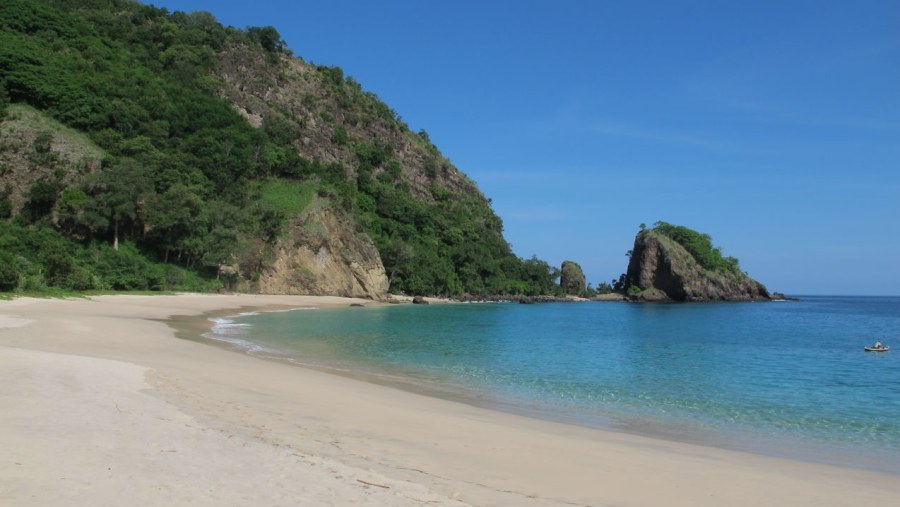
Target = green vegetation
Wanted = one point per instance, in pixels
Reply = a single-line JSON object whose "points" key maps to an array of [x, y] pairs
{"points": [[285, 198], [185, 184], [699, 246], [41, 259]]}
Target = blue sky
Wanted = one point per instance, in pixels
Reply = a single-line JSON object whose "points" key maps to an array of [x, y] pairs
{"points": [[772, 126]]}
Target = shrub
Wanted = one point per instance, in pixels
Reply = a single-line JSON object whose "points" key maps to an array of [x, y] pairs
{"points": [[9, 272], [81, 279], [339, 136]]}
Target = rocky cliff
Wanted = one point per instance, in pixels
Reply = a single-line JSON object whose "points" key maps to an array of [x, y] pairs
{"points": [[323, 254], [661, 269], [327, 117], [572, 278]]}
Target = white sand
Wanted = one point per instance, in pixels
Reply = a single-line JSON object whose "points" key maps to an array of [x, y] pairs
{"points": [[101, 406]]}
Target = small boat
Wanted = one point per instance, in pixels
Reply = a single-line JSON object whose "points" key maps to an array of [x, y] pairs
{"points": [[873, 348]]}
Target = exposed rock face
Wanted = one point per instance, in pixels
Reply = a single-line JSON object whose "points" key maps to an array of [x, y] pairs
{"points": [[298, 98], [664, 271], [324, 254], [292, 92], [572, 278]]}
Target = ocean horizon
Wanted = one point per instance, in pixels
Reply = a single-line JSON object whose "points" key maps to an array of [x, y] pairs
{"points": [[785, 378]]}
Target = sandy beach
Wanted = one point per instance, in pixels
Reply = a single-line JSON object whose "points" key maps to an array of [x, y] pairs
{"points": [[101, 404]]}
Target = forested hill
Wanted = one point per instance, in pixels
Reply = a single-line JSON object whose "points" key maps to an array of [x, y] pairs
{"points": [[143, 149]]}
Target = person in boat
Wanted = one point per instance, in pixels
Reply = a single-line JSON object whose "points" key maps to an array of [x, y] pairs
{"points": [[878, 345]]}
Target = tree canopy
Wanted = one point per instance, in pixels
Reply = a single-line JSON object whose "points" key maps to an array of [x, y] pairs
{"points": [[700, 246], [182, 188]]}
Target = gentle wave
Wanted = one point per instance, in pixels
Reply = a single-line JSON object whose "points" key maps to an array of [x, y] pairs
{"points": [[226, 330]]}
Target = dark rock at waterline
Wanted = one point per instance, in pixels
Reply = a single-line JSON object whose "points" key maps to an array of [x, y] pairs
{"points": [[778, 296], [419, 300]]}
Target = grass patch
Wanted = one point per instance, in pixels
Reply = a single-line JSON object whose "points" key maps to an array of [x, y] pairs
{"points": [[24, 120], [289, 198]]}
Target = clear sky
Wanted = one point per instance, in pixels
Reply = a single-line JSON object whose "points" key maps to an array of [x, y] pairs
{"points": [[773, 126]]}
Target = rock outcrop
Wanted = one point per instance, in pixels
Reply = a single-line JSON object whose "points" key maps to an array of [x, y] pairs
{"points": [[293, 93], [324, 254], [662, 270], [572, 279]]}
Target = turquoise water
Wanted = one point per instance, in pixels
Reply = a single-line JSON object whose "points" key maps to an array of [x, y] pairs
{"points": [[783, 378]]}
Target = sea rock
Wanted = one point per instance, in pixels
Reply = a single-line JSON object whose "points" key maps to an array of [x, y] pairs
{"points": [[419, 300], [572, 278], [662, 270]]}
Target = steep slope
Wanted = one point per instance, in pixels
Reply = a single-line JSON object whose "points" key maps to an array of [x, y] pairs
{"points": [[329, 118], [226, 156], [424, 215], [36, 148], [662, 269]]}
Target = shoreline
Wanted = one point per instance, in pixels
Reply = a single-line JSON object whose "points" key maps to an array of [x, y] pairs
{"points": [[745, 440], [187, 421]]}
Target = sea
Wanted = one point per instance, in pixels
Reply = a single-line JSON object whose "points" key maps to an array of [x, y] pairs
{"points": [[781, 378]]}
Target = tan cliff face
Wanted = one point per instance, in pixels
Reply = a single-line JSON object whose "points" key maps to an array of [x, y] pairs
{"points": [[663, 270], [324, 254]]}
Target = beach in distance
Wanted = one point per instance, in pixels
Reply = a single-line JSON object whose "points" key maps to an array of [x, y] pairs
{"points": [[103, 401]]}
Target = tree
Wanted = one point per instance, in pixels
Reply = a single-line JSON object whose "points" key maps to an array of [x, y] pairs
{"points": [[5, 203], [41, 198], [117, 195], [173, 219], [4, 99], [267, 37], [72, 215], [9, 272], [220, 240], [397, 257]]}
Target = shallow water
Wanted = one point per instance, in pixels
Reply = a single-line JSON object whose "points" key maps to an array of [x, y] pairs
{"points": [[781, 378]]}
